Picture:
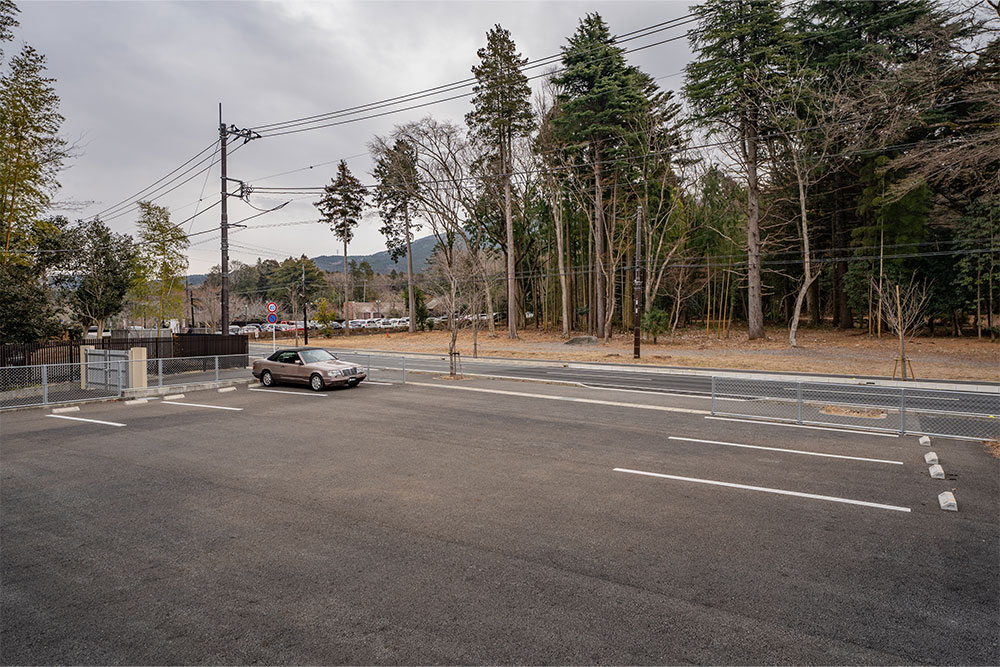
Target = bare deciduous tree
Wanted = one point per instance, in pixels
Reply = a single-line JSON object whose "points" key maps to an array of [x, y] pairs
{"points": [[904, 311]]}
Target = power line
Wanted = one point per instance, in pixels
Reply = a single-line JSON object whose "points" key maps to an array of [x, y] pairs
{"points": [[157, 182], [456, 85]]}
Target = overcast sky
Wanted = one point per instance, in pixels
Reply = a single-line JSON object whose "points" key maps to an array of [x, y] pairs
{"points": [[140, 84]]}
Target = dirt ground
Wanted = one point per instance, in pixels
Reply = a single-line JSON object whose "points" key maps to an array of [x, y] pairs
{"points": [[819, 351]]}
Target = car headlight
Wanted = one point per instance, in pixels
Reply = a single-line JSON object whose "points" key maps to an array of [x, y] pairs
{"points": [[332, 373]]}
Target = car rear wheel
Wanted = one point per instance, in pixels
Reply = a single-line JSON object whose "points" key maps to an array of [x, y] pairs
{"points": [[316, 382], [267, 379]]}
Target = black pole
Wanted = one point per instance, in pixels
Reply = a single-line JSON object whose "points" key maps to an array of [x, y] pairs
{"points": [[224, 228], [637, 284], [305, 318]]}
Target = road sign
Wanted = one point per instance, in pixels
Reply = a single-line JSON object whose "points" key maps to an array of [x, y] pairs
{"points": [[272, 318], [272, 307]]}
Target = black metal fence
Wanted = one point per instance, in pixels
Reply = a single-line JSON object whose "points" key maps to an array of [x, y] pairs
{"points": [[203, 345], [68, 351]]}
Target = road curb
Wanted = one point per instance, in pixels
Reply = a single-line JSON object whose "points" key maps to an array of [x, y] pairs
{"points": [[943, 385]]}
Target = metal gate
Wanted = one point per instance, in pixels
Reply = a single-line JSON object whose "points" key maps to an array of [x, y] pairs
{"points": [[107, 369]]}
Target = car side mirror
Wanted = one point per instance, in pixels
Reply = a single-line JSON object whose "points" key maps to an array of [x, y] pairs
{"points": [[298, 362]]}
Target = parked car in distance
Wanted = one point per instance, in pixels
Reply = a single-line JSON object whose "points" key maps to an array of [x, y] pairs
{"points": [[357, 324], [313, 366]]}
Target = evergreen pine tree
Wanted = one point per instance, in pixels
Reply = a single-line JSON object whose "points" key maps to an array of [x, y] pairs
{"points": [[600, 96], [738, 43], [341, 206], [501, 113]]}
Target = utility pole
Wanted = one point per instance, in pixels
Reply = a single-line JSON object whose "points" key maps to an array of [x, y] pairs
{"points": [[224, 225], [637, 284], [305, 318]]}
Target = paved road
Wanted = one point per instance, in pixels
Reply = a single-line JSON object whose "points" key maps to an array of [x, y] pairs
{"points": [[484, 522], [917, 399]]}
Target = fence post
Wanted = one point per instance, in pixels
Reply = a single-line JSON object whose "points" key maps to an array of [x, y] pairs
{"points": [[159, 372], [45, 384], [119, 378], [216, 368], [83, 365], [902, 411], [404, 370], [713, 394], [798, 400]]}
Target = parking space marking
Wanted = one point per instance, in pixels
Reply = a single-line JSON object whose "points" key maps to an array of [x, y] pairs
{"points": [[570, 399], [294, 393], [200, 405], [81, 419], [764, 489], [818, 428], [787, 451]]}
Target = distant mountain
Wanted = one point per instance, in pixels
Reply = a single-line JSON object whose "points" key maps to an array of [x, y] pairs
{"points": [[380, 261]]}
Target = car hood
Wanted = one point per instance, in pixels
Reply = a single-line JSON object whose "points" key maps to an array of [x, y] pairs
{"points": [[331, 365]]}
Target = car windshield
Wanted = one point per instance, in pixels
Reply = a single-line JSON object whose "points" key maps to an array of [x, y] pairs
{"points": [[314, 356]]}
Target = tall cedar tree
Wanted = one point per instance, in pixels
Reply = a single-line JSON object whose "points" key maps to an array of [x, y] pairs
{"points": [[341, 206], [501, 113], [863, 42], [737, 43], [163, 255], [599, 97], [396, 173]]}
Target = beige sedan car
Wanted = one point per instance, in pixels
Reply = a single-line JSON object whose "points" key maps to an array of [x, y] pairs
{"points": [[313, 366]]}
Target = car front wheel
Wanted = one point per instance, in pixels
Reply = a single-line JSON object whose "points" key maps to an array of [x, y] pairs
{"points": [[316, 382], [267, 379]]}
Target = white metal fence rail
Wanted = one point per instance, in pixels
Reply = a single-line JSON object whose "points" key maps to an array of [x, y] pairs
{"points": [[104, 376], [953, 414]]}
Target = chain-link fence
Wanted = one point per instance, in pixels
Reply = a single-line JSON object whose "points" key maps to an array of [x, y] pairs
{"points": [[22, 386], [45, 384], [953, 414]]}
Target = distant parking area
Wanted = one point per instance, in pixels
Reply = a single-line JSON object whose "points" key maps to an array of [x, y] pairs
{"points": [[479, 521]]}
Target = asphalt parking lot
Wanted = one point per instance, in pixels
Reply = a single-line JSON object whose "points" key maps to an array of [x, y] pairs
{"points": [[484, 521]]}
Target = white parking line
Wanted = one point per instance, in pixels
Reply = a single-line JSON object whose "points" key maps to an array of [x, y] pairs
{"points": [[818, 428], [81, 419], [780, 492], [787, 451], [570, 399], [200, 405], [381, 383], [294, 393]]}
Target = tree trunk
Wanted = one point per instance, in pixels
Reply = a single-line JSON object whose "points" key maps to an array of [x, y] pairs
{"points": [[755, 310], [511, 278], [347, 319], [563, 290], [411, 296], [798, 308], [601, 287]]}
